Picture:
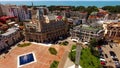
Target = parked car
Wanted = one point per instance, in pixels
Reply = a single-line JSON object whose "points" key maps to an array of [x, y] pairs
{"points": [[106, 55], [101, 55], [102, 59], [75, 40], [112, 54], [99, 48], [102, 62], [115, 59], [117, 64], [110, 46]]}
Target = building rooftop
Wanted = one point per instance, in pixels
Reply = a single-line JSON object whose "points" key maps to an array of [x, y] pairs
{"points": [[3, 18], [114, 24], [91, 28], [9, 31], [87, 28]]}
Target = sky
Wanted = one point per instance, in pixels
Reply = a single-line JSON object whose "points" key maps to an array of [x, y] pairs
{"points": [[59, 0], [98, 3]]}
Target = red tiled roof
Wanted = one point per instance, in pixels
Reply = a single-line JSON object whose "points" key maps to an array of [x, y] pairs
{"points": [[1, 24], [102, 13], [59, 17], [4, 18], [83, 12], [92, 17]]}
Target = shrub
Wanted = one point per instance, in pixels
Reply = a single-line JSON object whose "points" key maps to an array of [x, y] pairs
{"points": [[54, 64], [23, 45], [65, 43], [52, 51], [72, 54]]}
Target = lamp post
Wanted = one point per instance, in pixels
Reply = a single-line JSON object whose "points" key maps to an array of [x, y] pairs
{"points": [[78, 52]]}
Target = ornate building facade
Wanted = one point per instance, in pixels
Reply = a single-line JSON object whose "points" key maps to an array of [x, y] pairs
{"points": [[44, 27], [9, 38], [113, 31], [85, 33]]}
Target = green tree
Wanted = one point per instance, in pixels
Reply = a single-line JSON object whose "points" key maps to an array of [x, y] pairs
{"points": [[90, 9], [54, 64], [52, 50], [112, 9], [93, 42], [92, 45], [81, 8]]}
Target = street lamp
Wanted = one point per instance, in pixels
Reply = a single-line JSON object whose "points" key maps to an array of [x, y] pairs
{"points": [[78, 52]]}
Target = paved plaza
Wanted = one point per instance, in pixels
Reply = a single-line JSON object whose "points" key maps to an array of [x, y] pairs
{"points": [[43, 57]]}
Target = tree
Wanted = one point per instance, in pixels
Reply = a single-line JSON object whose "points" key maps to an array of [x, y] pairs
{"points": [[52, 50], [81, 8], [54, 64], [92, 45], [52, 8], [93, 42], [90, 9], [112, 9]]}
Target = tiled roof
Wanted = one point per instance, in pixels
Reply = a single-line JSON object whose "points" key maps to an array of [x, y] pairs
{"points": [[114, 24], [1, 24], [10, 31], [93, 17], [4, 18], [59, 17]]}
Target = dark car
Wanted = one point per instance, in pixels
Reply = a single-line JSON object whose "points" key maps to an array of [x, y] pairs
{"points": [[106, 55], [117, 64], [110, 46], [99, 49], [101, 55], [112, 54], [115, 59]]}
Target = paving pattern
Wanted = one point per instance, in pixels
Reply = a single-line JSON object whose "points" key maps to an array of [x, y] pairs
{"points": [[43, 57]]}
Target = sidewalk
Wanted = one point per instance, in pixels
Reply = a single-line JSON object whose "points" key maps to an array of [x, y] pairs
{"points": [[70, 64]]}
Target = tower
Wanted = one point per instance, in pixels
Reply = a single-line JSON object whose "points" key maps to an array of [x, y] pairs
{"points": [[32, 4], [40, 19]]}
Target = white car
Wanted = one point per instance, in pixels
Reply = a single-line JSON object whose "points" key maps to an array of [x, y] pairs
{"points": [[102, 59], [74, 40]]}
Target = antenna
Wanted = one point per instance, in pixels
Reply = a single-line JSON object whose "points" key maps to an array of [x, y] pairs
{"points": [[32, 4]]}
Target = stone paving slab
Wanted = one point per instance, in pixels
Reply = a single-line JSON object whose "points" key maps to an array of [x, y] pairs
{"points": [[43, 57]]}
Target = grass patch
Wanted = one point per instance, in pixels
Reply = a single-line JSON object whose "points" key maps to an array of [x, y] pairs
{"points": [[88, 60], [65, 43], [72, 54], [23, 45], [52, 50], [54, 64]]}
